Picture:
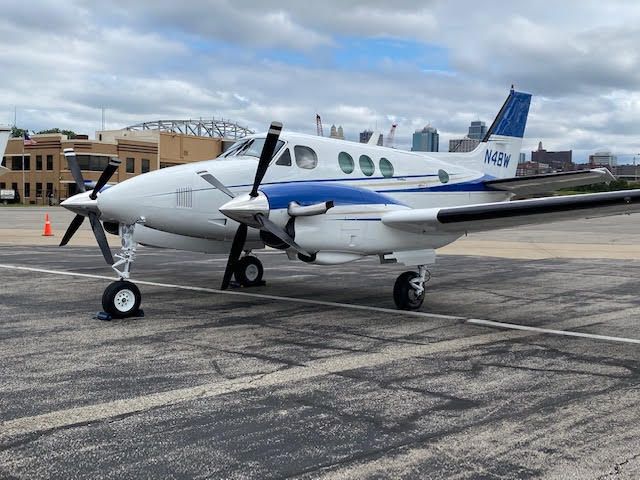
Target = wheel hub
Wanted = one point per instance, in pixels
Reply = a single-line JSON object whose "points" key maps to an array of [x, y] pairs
{"points": [[124, 300], [251, 272]]}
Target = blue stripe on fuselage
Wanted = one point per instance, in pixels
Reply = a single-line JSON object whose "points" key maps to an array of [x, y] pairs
{"points": [[476, 185], [310, 193]]}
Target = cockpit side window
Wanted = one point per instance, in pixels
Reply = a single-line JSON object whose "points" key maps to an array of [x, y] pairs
{"points": [[252, 148], [233, 149], [305, 157], [285, 158]]}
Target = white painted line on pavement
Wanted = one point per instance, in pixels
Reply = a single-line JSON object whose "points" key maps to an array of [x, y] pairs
{"points": [[308, 301], [566, 333]]}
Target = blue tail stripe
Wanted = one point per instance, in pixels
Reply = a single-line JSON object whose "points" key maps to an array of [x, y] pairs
{"points": [[514, 116]]}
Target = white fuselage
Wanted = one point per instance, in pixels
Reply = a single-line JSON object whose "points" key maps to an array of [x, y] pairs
{"points": [[176, 202]]}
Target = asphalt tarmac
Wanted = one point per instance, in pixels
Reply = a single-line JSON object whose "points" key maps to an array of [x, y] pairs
{"points": [[513, 369]]}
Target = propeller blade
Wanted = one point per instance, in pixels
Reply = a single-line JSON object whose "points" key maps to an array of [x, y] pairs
{"points": [[101, 238], [113, 165], [271, 227], [215, 182], [234, 254], [265, 156], [72, 161], [72, 229]]}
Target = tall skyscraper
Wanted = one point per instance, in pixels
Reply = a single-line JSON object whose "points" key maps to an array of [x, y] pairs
{"points": [[425, 140], [477, 130], [365, 136]]}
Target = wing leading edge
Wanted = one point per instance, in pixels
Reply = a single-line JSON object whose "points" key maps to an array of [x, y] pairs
{"points": [[491, 216]]}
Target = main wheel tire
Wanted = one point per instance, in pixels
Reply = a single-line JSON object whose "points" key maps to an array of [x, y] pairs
{"points": [[121, 299], [248, 271], [404, 295]]}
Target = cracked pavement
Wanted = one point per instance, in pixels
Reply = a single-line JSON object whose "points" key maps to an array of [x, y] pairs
{"points": [[210, 385]]}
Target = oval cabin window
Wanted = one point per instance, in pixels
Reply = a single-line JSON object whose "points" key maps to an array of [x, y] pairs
{"points": [[346, 162], [366, 165], [386, 168]]}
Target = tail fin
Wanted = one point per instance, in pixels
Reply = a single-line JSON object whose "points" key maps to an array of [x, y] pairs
{"points": [[504, 138], [498, 152]]}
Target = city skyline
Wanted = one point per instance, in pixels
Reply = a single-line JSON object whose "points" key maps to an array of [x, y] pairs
{"points": [[409, 63]]}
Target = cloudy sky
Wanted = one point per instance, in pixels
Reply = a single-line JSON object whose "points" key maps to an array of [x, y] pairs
{"points": [[360, 64]]}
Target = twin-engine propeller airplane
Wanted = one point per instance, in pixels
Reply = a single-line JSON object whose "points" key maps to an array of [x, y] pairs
{"points": [[327, 202]]}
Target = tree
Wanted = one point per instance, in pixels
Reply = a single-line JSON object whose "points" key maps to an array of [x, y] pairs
{"points": [[69, 133], [17, 132]]}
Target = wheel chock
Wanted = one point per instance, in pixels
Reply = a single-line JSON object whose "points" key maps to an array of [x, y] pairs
{"points": [[105, 317]]}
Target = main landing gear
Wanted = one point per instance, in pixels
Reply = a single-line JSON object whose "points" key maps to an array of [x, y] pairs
{"points": [[121, 299], [408, 291]]}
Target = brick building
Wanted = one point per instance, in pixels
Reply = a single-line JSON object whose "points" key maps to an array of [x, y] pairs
{"points": [[46, 176]]}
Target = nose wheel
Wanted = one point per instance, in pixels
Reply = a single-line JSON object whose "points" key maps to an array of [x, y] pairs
{"points": [[248, 271], [121, 299]]}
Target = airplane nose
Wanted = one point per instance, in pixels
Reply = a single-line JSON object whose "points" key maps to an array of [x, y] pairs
{"points": [[81, 204], [120, 203]]}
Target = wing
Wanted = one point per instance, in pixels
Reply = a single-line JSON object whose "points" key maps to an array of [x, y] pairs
{"points": [[550, 182], [490, 216]]}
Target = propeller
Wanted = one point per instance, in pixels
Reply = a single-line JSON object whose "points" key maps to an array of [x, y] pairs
{"points": [[215, 182], [234, 255], [96, 226], [72, 161], [269, 226], [240, 237], [266, 155], [252, 209], [109, 170]]}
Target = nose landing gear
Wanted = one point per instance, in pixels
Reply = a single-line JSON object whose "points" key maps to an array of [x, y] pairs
{"points": [[121, 299]]}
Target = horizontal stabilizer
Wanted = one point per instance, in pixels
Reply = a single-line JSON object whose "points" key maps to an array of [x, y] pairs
{"points": [[550, 182], [491, 216]]}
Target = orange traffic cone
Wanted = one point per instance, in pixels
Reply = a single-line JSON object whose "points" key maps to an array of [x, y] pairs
{"points": [[47, 227]]}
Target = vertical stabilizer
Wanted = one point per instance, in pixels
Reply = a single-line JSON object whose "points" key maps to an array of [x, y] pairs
{"points": [[497, 154], [500, 148]]}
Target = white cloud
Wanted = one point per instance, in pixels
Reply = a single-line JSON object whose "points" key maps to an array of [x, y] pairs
{"points": [[251, 62]]}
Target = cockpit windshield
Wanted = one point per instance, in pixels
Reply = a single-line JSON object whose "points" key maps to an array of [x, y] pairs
{"points": [[250, 148]]}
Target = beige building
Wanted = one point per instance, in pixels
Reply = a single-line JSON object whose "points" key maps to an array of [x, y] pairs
{"points": [[46, 176]]}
